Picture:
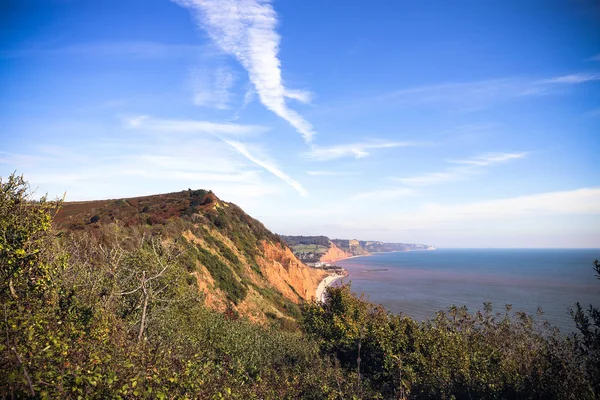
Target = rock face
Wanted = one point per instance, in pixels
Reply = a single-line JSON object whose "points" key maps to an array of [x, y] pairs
{"points": [[236, 262], [288, 274], [352, 247], [312, 249], [334, 253]]}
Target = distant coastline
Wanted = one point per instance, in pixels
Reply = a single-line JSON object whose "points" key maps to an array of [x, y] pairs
{"points": [[381, 252]]}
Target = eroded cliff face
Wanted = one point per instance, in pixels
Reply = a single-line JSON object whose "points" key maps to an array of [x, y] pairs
{"points": [[288, 274], [280, 274], [334, 253]]}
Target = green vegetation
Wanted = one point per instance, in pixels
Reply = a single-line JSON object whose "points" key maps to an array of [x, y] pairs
{"points": [[309, 248], [114, 315], [226, 280], [457, 355], [112, 311], [587, 341]]}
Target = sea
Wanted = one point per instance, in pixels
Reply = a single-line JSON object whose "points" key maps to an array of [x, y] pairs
{"points": [[419, 283]]}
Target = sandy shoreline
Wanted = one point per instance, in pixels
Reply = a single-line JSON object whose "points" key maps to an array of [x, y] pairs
{"points": [[347, 258], [319, 295], [374, 253]]}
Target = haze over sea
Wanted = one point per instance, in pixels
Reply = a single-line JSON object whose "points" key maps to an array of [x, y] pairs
{"points": [[419, 283]]}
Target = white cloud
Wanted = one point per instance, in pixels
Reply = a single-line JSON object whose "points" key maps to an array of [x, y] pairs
{"points": [[248, 98], [579, 201], [131, 167], [303, 96], [246, 29], [433, 178], [461, 97], [329, 173], [356, 150], [573, 79], [469, 166], [383, 194], [212, 89], [220, 131], [193, 126], [490, 159], [240, 148]]}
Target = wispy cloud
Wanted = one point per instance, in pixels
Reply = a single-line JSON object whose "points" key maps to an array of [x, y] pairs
{"points": [[383, 194], [595, 58], [192, 126], [490, 159], [128, 166], [477, 218], [220, 131], [248, 98], [240, 148], [247, 30], [329, 173], [580, 201], [433, 178], [132, 49], [573, 78], [303, 96], [468, 167], [463, 97], [356, 150], [212, 89]]}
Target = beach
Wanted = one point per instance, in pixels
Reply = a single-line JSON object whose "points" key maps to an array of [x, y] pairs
{"points": [[319, 295]]}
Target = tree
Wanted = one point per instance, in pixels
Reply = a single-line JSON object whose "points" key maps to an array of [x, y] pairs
{"points": [[587, 341], [24, 241], [27, 266]]}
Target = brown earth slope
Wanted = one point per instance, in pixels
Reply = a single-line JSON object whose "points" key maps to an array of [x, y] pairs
{"points": [[334, 253], [236, 261]]}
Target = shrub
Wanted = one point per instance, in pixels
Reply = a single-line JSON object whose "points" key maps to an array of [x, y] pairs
{"points": [[236, 291]]}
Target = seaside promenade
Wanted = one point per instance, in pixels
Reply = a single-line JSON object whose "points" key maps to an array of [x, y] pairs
{"points": [[320, 293]]}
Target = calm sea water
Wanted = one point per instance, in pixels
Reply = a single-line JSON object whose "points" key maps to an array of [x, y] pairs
{"points": [[419, 283]]}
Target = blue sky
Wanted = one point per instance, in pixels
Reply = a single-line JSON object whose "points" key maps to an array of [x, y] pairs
{"points": [[457, 124]]}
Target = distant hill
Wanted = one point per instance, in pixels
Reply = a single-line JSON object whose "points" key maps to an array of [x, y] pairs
{"points": [[312, 249], [363, 247], [237, 261]]}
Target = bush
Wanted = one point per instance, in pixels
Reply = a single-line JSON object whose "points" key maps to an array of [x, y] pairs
{"points": [[236, 291], [457, 355]]}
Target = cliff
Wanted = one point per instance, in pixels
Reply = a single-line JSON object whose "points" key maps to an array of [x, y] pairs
{"points": [[334, 253], [236, 262], [311, 249]]}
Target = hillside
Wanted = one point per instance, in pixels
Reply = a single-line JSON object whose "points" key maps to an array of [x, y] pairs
{"points": [[236, 261], [364, 247], [112, 303], [311, 249]]}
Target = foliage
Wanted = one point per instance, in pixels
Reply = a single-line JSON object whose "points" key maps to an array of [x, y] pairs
{"points": [[226, 280], [120, 319], [25, 244], [113, 311], [587, 341], [457, 355]]}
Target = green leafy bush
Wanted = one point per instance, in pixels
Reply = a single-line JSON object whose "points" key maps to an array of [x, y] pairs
{"points": [[456, 355], [224, 277]]}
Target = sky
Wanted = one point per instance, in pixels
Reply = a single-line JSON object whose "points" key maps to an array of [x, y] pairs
{"points": [[454, 124]]}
